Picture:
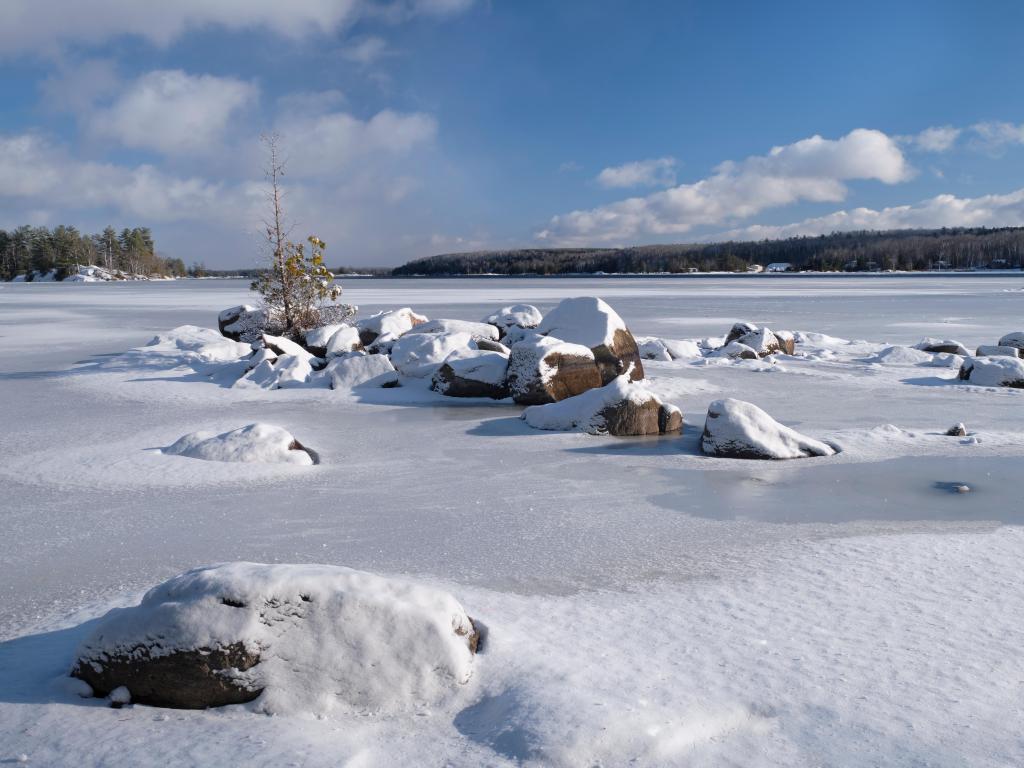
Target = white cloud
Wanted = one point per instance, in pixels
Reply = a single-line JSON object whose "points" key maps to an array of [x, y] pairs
{"points": [[939, 211], [173, 112], [813, 169], [366, 51], [76, 87], [326, 144], [35, 26], [994, 136], [659, 172], [935, 139]]}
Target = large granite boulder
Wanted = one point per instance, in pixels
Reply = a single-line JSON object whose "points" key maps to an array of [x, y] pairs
{"points": [[543, 369], [1015, 340], [473, 373], [736, 429], [590, 322], [302, 638], [993, 371], [620, 407]]}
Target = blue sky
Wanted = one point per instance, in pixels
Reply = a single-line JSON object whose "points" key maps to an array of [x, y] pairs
{"points": [[415, 127]]}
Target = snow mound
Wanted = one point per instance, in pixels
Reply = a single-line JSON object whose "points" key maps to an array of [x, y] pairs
{"points": [[190, 343], [343, 341], [303, 638], [993, 372], [740, 430], [421, 354], [897, 355], [524, 316], [317, 338], [621, 407], [360, 370], [441, 325], [263, 443], [734, 350]]}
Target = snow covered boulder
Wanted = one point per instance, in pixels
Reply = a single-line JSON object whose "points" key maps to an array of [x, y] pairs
{"points": [[652, 348], [948, 346], [738, 331], [763, 341], [543, 369], [478, 331], [734, 350], [317, 339], [242, 323], [279, 345], [735, 429], [263, 443], [993, 350], [525, 316], [492, 346], [620, 408], [421, 354], [993, 372], [473, 373], [897, 355], [343, 341], [589, 321], [380, 331], [1016, 340], [301, 638], [359, 370]]}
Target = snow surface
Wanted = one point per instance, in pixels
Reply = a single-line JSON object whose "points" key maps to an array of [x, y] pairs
{"points": [[442, 325], [328, 637], [262, 443], [421, 354], [644, 604]]}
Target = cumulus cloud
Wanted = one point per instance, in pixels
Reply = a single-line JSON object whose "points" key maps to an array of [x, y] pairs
{"points": [[33, 26], [366, 51], [939, 211], [812, 169], [658, 172], [326, 144], [34, 170], [173, 112]]}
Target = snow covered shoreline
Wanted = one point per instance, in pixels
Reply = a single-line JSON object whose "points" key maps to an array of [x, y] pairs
{"points": [[642, 600]]}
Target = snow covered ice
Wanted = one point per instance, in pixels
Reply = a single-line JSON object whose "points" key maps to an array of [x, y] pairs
{"points": [[641, 603]]}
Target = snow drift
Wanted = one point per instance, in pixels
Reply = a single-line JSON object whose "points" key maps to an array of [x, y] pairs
{"points": [[301, 638], [738, 430], [263, 443]]}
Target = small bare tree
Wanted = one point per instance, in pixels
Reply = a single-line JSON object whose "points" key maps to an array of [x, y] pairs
{"points": [[297, 284]]}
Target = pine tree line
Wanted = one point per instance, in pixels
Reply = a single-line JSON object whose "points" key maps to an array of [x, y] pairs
{"points": [[27, 250]]}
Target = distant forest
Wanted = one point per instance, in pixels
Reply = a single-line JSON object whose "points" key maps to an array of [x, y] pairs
{"points": [[959, 248], [25, 250]]}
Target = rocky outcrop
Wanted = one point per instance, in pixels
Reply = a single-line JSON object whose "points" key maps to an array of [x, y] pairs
{"points": [[735, 429], [763, 341], [542, 369], [590, 322]]}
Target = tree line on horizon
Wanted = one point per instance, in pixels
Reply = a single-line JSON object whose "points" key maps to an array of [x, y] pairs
{"points": [[30, 250], [910, 250]]}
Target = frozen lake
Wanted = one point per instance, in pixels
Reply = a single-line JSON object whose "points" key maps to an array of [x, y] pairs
{"points": [[645, 602]]}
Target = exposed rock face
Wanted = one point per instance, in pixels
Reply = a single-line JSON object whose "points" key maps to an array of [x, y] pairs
{"points": [[589, 321], [542, 369], [738, 430], [621, 407], [525, 316], [186, 679], [473, 374], [993, 372], [242, 323], [947, 346], [299, 637]]}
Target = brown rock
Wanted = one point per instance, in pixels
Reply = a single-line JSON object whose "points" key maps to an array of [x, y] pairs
{"points": [[616, 359], [545, 370], [185, 679], [670, 420]]}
